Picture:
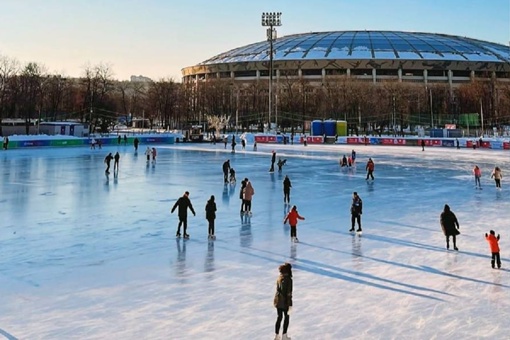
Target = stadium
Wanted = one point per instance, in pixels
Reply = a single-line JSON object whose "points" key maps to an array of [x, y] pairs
{"points": [[372, 56]]}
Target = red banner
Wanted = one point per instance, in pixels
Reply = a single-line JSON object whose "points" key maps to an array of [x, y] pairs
{"points": [[393, 141]]}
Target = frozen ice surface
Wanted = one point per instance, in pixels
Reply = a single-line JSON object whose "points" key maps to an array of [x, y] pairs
{"points": [[83, 256]]}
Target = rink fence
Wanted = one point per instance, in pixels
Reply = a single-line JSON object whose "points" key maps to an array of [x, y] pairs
{"points": [[75, 142]]}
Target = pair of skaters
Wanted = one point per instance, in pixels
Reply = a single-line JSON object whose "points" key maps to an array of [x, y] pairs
{"points": [[496, 174], [183, 204], [151, 153]]}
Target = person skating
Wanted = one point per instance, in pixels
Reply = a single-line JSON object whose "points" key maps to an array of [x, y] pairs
{"points": [[494, 246], [241, 195], [356, 211], [423, 145], [154, 154], [6, 143], [116, 160], [280, 164], [225, 141], [370, 169], [457, 143], [118, 140], [232, 178], [273, 160], [286, 189], [248, 196], [183, 203], [135, 143], [497, 175], [210, 215], [125, 140], [255, 146], [293, 217], [450, 226], [353, 156], [148, 153], [226, 168], [107, 161], [478, 174], [243, 143], [343, 162], [233, 144], [283, 300]]}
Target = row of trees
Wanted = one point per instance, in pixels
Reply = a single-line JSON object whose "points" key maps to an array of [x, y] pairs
{"points": [[31, 93]]}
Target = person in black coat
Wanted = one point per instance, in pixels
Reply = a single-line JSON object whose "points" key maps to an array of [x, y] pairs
{"points": [[273, 160], [183, 203], [226, 168], [210, 215], [286, 189], [283, 299], [450, 226], [243, 202], [356, 211]]}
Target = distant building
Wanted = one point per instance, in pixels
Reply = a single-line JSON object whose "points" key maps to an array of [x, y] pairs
{"points": [[140, 79]]}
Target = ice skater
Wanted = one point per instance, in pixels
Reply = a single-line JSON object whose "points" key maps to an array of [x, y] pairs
{"points": [[210, 215], [353, 156], [6, 143], [183, 203], [125, 140], [273, 160], [248, 193], [356, 211], [116, 160], [135, 143], [93, 144], [423, 145], [343, 162], [494, 246], [226, 168], [450, 226], [243, 143], [280, 164], [241, 195], [107, 161], [232, 178], [118, 140], [497, 175], [286, 189], [478, 174], [154, 154], [293, 217], [283, 300], [370, 169], [254, 146], [148, 153], [233, 144]]}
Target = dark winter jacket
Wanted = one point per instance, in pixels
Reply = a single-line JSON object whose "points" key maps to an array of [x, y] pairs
{"points": [[226, 167], [243, 185], [286, 185], [357, 206], [183, 203], [449, 222], [283, 296], [210, 210]]}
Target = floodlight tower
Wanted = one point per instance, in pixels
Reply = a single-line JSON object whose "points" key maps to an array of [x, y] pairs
{"points": [[270, 20]]}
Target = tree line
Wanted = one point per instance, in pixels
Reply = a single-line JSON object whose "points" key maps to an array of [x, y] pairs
{"points": [[31, 93]]}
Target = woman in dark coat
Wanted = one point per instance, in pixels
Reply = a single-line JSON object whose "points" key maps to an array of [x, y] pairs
{"points": [[210, 215], [283, 299], [450, 226]]}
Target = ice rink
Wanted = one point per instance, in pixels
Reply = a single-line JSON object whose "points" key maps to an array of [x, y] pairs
{"points": [[89, 256]]}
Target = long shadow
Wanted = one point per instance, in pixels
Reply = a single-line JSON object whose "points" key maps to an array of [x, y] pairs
{"points": [[339, 276], [7, 335], [403, 265], [393, 223], [439, 272]]}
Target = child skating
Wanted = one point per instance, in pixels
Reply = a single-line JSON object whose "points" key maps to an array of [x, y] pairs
{"points": [[494, 246], [293, 217], [210, 215]]}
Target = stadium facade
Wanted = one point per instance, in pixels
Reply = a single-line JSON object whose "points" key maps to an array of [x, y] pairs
{"points": [[372, 56]]}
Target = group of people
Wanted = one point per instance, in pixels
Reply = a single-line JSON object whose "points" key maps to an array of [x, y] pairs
{"points": [[151, 153], [496, 174], [108, 160]]}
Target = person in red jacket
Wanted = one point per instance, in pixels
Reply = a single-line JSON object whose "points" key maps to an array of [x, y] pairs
{"points": [[370, 169], [493, 244], [293, 217]]}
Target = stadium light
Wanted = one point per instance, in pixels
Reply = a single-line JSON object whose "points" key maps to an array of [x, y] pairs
{"points": [[270, 20]]}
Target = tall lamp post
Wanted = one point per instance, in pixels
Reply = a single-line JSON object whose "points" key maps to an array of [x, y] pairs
{"points": [[270, 20]]}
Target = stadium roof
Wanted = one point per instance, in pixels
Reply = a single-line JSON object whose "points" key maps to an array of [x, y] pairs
{"points": [[392, 45]]}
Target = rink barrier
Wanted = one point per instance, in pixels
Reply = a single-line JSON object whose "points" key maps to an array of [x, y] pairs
{"points": [[76, 142], [429, 142]]}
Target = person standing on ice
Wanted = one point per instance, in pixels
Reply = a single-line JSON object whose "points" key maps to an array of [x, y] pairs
{"points": [[248, 193], [6, 143], [233, 144], [493, 244], [286, 189], [148, 153], [241, 195], [353, 156], [107, 161], [135, 143], [273, 160], [497, 175], [450, 226], [356, 211], [370, 169], [226, 168], [293, 217], [116, 160], [210, 216], [343, 162], [478, 174], [154, 154], [283, 300], [183, 203]]}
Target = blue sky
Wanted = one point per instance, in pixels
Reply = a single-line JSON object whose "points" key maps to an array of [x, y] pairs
{"points": [[157, 38]]}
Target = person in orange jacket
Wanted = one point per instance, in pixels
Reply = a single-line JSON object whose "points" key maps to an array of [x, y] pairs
{"points": [[478, 173], [370, 169], [493, 244], [293, 217]]}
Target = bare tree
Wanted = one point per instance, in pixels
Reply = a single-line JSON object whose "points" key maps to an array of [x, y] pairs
{"points": [[8, 69]]}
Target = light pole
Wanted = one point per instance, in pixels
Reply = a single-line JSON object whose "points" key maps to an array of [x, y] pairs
{"points": [[270, 20]]}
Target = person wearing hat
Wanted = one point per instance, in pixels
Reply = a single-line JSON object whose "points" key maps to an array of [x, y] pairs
{"points": [[183, 203], [450, 226]]}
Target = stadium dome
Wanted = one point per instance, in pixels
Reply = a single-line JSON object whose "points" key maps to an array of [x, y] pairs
{"points": [[362, 53]]}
